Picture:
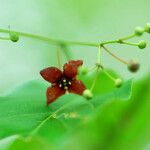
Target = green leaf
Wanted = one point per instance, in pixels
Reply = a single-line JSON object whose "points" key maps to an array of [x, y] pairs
{"points": [[7, 142], [122, 124], [25, 108], [29, 144]]}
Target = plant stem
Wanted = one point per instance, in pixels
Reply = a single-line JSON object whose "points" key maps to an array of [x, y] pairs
{"points": [[110, 76], [94, 81], [58, 57], [59, 42], [116, 57], [127, 37], [130, 43], [99, 54], [50, 40], [118, 41], [4, 38], [109, 42]]}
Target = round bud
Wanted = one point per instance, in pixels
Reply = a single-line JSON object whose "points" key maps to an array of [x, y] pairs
{"points": [[133, 65], [142, 44], [14, 37], [139, 31], [82, 70], [147, 28], [87, 94], [118, 83]]}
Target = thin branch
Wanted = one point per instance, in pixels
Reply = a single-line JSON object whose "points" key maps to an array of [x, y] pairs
{"points": [[116, 57], [51, 40]]}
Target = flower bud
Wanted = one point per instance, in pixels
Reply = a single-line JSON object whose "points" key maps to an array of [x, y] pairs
{"points": [[139, 31], [82, 70], [147, 28], [14, 37], [118, 83], [142, 44], [87, 94], [133, 65]]}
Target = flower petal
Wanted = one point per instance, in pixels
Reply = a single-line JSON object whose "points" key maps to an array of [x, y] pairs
{"points": [[53, 93], [71, 68], [77, 87], [76, 62], [51, 74]]}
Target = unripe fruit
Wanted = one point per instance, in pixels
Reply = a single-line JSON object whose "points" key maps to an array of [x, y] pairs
{"points": [[14, 37], [139, 31], [142, 44], [147, 28], [87, 94], [118, 83], [133, 65], [82, 70]]}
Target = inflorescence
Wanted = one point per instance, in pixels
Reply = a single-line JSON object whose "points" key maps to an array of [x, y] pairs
{"points": [[132, 65]]}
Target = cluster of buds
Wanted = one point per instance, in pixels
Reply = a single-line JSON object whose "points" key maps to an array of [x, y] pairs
{"points": [[133, 65]]}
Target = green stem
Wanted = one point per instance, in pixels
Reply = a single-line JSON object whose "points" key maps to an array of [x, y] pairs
{"points": [[127, 37], [99, 54], [58, 57], [58, 42], [109, 75], [116, 57], [92, 68], [109, 42], [120, 41], [130, 43], [94, 81], [4, 38], [50, 40]]}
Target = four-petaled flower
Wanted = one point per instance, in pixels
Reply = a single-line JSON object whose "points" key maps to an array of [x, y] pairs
{"points": [[63, 82]]}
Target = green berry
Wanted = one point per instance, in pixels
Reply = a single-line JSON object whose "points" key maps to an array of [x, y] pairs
{"points": [[133, 65], [139, 31], [82, 70], [14, 37], [142, 44], [147, 28], [118, 83], [87, 94]]}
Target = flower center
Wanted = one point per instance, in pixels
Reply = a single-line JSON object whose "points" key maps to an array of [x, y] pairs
{"points": [[65, 84]]}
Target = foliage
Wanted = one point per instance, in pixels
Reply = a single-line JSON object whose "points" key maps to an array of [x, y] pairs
{"points": [[115, 119], [24, 112]]}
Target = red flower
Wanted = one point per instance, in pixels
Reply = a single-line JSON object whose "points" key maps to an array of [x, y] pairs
{"points": [[63, 82]]}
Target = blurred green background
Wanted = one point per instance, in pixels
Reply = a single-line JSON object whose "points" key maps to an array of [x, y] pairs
{"points": [[116, 124], [81, 20]]}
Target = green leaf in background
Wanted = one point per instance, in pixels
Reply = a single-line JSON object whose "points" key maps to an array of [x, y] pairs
{"points": [[104, 84], [29, 144], [119, 125], [25, 109], [7, 142]]}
